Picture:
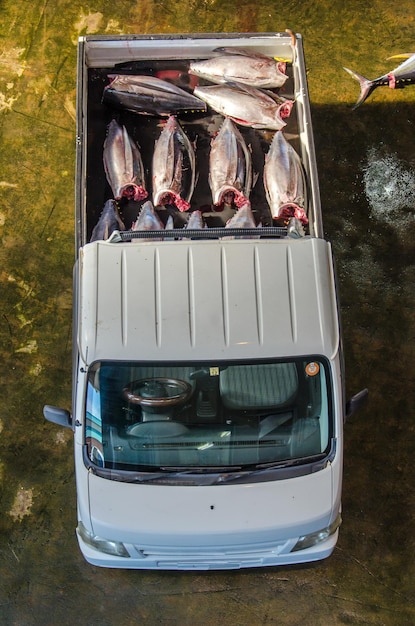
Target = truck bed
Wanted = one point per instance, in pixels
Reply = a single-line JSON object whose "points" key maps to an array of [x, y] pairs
{"points": [[103, 56]]}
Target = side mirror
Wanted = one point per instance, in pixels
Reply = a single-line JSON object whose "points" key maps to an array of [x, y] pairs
{"points": [[356, 402], [61, 417]]}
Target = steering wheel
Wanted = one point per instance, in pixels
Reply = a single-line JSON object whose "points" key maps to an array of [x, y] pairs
{"points": [[157, 392]]}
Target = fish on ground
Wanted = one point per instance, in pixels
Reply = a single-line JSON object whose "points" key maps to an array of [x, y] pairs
{"points": [[284, 180], [401, 76], [149, 95], [247, 106], [230, 166], [243, 66], [123, 165], [109, 221], [173, 167]]}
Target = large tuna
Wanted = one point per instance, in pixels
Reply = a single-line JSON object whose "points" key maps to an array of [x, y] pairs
{"points": [[230, 166], [284, 180], [109, 221], [401, 76], [242, 66], [174, 167], [123, 165], [149, 95], [247, 106]]}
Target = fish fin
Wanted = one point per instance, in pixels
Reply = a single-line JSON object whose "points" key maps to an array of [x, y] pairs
{"points": [[366, 86], [252, 91], [169, 224], [255, 179], [276, 97], [401, 57], [243, 52]]}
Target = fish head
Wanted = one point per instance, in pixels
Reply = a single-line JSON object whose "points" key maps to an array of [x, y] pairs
{"points": [[286, 108]]}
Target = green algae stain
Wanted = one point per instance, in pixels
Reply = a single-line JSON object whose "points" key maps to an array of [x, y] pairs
{"points": [[43, 578]]}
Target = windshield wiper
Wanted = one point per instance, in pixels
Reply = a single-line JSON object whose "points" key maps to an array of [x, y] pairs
{"points": [[291, 462], [206, 469]]}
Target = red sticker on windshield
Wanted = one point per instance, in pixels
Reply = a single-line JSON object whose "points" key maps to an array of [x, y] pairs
{"points": [[311, 369]]}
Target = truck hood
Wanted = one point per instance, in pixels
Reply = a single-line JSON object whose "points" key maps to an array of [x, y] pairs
{"points": [[206, 299], [226, 515]]}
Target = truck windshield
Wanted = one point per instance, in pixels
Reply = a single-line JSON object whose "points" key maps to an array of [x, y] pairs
{"points": [[202, 416]]}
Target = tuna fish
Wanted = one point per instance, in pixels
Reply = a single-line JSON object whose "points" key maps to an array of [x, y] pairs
{"points": [[247, 106], [147, 219], [401, 76], [295, 229], [195, 220], [230, 166], [109, 221], [243, 218], [242, 66], [174, 167], [284, 180], [123, 165], [149, 95]]}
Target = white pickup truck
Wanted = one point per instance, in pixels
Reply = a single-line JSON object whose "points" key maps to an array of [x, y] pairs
{"points": [[208, 382]]}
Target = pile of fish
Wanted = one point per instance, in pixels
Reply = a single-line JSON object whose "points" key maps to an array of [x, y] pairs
{"points": [[240, 92]]}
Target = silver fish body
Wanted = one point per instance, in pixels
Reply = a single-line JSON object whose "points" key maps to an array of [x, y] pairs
{"points": [[243, 218], [123, 164], [173, 167], [195, 220], [242, 66], [109, 221], [230, 165], [401, 76], [147, 219], [295, 229], [247, 106], [284, 180], [149, 95]]}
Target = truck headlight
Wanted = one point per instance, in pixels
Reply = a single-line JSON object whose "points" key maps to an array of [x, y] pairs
{"points": [[308, 541], [116, 548]]}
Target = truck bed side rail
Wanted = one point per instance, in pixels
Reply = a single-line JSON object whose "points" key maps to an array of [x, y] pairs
{"points": [[201, 233]]}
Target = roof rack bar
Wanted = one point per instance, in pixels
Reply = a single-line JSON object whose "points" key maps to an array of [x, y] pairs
{"points": [[198, 233]]}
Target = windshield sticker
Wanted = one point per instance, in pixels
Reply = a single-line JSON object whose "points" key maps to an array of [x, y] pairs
{"points": [[312, 369]]}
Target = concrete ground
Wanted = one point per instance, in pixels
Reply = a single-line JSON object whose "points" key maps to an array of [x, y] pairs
{"points": [[366, 163]]}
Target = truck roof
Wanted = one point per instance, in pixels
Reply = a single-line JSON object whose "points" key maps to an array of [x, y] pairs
{"points": [[204, 300]]}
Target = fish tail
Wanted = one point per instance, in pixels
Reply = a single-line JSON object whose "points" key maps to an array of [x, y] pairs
{"points": [[366, 86]]}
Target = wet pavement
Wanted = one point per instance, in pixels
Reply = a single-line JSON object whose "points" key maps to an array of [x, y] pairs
{"points": [[366, 162]]}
